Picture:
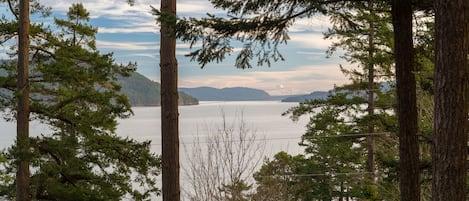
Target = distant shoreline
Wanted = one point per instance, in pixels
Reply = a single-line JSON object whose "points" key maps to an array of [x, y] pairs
{"points": [[202, 103]]}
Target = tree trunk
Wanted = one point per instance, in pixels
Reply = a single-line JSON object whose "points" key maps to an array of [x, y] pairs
{"points": [[450, 118], [371, 101], [409, 174], [169, 106], [22, 128], [341, 195]]}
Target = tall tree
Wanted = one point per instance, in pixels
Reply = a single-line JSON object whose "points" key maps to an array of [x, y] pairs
{"points": [[329, 144], [450, 114], [74, 90], [169, 102], [409, 173], [363, 32], [22, 116]]}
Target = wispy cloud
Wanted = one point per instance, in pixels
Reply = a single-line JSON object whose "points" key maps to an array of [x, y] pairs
{"points": [[310, 40], [131, 19], [311, 53], [141, 29], [103, 7], [152, 56], [200, 7], [120, 45]]}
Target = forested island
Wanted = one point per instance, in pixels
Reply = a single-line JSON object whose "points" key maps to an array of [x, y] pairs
{"points": [[226, 94]]}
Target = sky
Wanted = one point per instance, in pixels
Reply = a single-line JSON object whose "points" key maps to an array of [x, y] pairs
{"points": [[132, 34]]}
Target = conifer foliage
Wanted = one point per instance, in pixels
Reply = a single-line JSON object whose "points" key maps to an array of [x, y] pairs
{"points": [[74, 90]]}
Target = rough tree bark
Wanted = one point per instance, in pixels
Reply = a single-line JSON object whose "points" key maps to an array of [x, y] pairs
{"points": [[169, 106], [407, 107], [22, 118], [450, 118]]}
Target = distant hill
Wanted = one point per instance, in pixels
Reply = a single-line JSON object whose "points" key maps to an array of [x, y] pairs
{"points": [[321, 95], [227, 94], [312, 96], [141, 91]]}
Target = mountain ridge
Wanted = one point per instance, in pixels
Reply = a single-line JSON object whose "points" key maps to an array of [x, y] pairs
{"points": [[226, 94]]}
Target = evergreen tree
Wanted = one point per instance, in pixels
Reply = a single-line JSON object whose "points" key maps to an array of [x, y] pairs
{"points": [[169, 102], [74, 89], [22, 115], [287, 177], [363, 31], [406, 102]]}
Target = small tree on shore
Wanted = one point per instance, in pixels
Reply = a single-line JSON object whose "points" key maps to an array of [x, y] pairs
{"points": [[220, 165]]}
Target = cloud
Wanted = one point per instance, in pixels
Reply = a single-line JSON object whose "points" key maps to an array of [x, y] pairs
{"points": [[127, 45], [130, 19], [120, 8], [141, 29], [313, 53], [318, 23], [152, 56], [193, 7], [102, 7], [309, 40]]}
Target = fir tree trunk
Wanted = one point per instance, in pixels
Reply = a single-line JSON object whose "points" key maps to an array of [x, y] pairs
{"points": [[22, 129], [449, 154], [169, 107], [371, 104], [407, 106]]}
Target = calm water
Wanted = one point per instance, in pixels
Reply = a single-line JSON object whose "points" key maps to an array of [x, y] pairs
{"points": [[280, 133], [263, 116]]}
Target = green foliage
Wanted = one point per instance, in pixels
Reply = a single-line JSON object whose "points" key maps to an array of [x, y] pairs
{"points": [[140, 90], [286, 178], [337, 136], [101, 167], [186, 99], [260, 26], [4, 177], [364, 31], [235, 191], [74, 89], [335, 141]]}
